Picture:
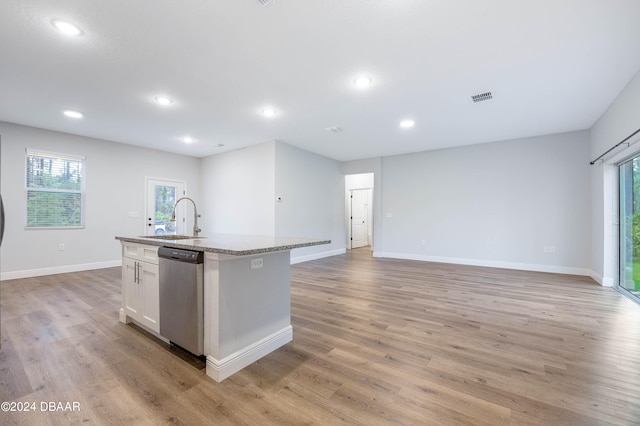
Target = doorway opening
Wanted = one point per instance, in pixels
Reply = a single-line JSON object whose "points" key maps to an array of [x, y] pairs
{"points": [[359, 202]]}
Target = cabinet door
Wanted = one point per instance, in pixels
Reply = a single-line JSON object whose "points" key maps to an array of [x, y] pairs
{"points": [[132, 289], [150, 296]]}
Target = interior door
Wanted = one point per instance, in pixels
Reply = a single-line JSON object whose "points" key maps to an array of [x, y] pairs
{"points": [[161, 198], [359, 217]]}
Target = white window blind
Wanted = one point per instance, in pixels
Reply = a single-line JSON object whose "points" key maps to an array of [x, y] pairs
{"points": [[54, 190]]}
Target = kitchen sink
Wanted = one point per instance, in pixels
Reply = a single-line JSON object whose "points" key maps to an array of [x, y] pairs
{"points": [[172, 237]]}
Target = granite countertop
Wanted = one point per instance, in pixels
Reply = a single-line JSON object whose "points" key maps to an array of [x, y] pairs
{"points": [[238, 245]]}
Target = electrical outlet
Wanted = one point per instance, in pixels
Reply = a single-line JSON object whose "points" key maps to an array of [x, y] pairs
{"points": [[546, 249], [60, 247], [552, 249], [257, 263]]}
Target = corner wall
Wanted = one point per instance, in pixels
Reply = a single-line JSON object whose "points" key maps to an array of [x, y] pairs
{"points": [[312, 191], [239, 190], [619, 121]]}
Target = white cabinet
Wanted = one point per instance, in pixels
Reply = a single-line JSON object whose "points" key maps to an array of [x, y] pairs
{"points": [[140, 285]]}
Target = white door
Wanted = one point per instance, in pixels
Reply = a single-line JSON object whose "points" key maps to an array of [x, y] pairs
{"points": [[359, 217], [161, 198]]}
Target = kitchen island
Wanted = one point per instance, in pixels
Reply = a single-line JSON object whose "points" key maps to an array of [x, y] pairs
{"points": [[247, 301]]}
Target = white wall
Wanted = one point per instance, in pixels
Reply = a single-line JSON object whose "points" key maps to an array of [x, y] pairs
{"points": [[359, 181], [238, 191], [618, 122], [115, 185], [495, 204], [312, 191]]}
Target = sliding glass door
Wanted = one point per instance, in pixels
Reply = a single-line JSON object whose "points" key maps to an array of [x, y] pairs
{"points": [[629, 238]]}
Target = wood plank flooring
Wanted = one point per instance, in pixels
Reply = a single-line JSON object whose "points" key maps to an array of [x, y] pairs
{"points": [[376, 342]]}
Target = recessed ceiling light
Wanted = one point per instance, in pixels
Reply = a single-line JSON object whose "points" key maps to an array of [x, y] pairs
{"points": [[66, 28], [407, 123], [72, 114], [363, 82], [163, 100], [268, 112], [187, 139]]}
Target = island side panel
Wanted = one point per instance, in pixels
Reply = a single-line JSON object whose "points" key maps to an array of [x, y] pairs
{"points": [[247, 311], [211, 293]]}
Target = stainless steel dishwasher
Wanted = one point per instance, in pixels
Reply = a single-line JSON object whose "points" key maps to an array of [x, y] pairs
{"points": [[181, 297]]}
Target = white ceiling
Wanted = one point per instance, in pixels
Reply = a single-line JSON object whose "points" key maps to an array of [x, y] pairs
{"points": [[552, 66]]}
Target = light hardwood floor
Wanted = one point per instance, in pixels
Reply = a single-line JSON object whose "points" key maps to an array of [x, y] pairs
{"points": [[376, 342]]}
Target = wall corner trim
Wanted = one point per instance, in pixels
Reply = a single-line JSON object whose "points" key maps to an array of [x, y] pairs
{"points": [[603, 281]]}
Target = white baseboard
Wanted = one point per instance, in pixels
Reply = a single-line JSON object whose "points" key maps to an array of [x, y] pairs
{"points": [[13, 275], [219, 370], [488, 263], [314, 256], [604, 282]]}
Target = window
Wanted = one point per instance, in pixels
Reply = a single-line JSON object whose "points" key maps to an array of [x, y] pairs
{"points": [[54, 190]]}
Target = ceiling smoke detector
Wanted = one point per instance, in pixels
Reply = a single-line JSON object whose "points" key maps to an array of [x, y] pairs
{"points": [[482, 97], [334, 129], [265, 2]]}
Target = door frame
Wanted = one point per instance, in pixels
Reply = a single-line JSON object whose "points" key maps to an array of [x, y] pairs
{"points": [[181, 186], [365, 180]]}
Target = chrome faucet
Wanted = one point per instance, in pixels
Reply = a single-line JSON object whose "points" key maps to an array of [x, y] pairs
{"points": [[196, 230]]}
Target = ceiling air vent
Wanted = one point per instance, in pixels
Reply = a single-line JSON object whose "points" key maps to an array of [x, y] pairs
{"points": [[482, 97], [334, 129], [265, 2]]}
